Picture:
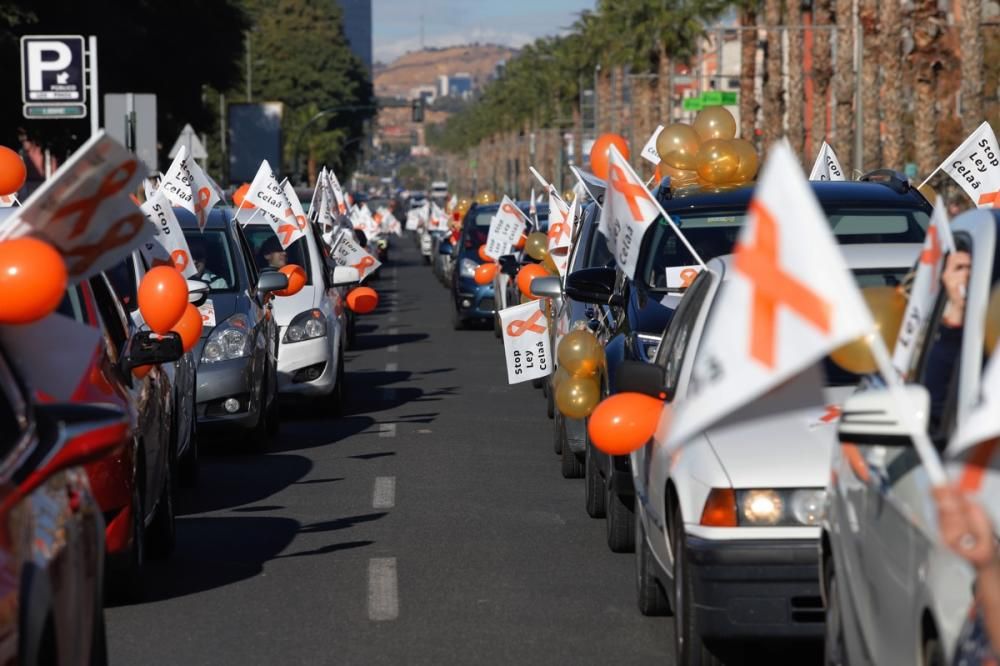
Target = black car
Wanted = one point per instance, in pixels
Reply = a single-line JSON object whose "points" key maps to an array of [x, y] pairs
{"points": [[630, 315]]}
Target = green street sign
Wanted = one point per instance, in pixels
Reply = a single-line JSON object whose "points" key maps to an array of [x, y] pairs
{"points": [[692, 104], [711, 98], [730, 98], [55, 111]]}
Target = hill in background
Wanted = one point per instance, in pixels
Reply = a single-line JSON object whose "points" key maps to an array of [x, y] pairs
{"points": [[422, 68]]}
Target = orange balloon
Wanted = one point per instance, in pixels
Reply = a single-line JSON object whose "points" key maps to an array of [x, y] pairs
{"points": [[163, 297], [528, 273], [32, 280], [485, 273], [13, 173], [483, 255], [519, 245], [296, 280], [189, 327], [624, 422], [599, 153], [141, 371], [362, 300], [239, 196]]}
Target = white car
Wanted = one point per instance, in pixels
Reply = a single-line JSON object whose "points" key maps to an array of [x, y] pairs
{"points": [[727, 528], [312, 322], [894, 594]]}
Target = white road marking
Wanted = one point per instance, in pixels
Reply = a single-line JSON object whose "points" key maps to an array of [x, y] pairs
{"points": [[391, 367], [392, 349], [383, 594], [393, 331], [384, 495], [393, 319], [387, 430]]}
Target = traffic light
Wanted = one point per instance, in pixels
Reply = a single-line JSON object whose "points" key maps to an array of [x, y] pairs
{"points": [[417, 110]]}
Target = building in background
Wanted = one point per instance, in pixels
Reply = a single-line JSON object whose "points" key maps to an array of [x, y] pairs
{"points": [[358, 28]]}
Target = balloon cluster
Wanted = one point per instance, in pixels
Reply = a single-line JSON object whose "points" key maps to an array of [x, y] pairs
{"points": [[706, 152], [577, 382]]}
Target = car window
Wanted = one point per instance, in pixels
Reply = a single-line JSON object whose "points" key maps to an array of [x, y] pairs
{"points": [[247, 254], [212, 258], [111, 314], [268, 254], [670, 354], [122, 279]]}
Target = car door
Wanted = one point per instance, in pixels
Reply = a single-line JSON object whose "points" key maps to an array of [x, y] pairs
{"points": [[265, 330]]}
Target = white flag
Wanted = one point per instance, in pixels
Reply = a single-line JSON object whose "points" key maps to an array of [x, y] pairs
{"points": [[297, 218], [267, 195], [85, 210], [827, 166], [629, 211], [925, 288], [526, 342], [169, 245], [346, 252], [187, 187], [649, 152], [438, 219], [7, 200], [338, 193], [789, 300], [561, 222], [982, 423], [975, 165], [506, 227]]}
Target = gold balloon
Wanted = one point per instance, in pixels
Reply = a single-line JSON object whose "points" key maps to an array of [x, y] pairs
{"points": [[576, 397], [887, 305], [485, 198], [677, 146], [717, 161], [463, 205], [993, 320], [537, 246], [678, 177], [567, 195], [749, 161], [580, 354], [715, 122], [559, 376]]}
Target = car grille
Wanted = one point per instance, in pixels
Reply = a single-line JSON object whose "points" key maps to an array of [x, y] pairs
{"points": [[487, 304]]}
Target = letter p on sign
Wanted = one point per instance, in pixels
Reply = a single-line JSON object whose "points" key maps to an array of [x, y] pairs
{"points": [[40, 59]]}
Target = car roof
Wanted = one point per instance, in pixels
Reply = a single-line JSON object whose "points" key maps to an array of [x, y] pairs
{"points": [[523, 205], [859, 257], [853, 192], [220, 217]]}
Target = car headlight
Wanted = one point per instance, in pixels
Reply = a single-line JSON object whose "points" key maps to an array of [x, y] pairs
{"points": [[766, 507], [467, 268], [306, 326], [228, 340]]}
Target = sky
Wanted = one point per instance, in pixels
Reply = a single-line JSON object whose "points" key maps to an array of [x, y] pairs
{"points": [[396, 28]]}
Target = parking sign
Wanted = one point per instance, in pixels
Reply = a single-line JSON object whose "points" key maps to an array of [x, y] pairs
{"points": [[53, 79]]}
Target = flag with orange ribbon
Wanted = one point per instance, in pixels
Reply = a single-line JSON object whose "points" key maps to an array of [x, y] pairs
{"points": [[188, 187], [506, 227], [346, 252], [298, 216], [270, 200], [629, 212], [975, 166], [787, 301], [168, 246], [562, 220], [85, 210], [338, 192], [526, 342]]}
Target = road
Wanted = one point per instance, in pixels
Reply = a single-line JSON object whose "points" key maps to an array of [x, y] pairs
{"points": [[428, 525]]}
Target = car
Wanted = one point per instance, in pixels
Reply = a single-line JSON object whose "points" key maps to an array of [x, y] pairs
{"points": [[727, 529], [238, 350], [881, 208], [881, 555], [53, 549], [135, 487], [311, 323]]}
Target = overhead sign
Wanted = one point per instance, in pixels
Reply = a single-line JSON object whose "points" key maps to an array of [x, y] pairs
{"points": [[53, 76], [189, 139]]}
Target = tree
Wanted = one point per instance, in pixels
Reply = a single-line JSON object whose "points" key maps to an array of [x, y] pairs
{"points": [[929, 57], [774, 95], [796, 85], [822, 73], [748, 67], [891, 93], [972, 64], [872, 130], [843, 85]]}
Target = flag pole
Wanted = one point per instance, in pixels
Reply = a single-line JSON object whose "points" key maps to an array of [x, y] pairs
{"points": [[679, 233], [928, 178], [576, 172]]}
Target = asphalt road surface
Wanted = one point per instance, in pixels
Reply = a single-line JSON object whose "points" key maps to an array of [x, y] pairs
{"points": [[428, 525]]}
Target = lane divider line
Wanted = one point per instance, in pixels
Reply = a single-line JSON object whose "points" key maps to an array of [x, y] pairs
{"points": [[383, 589], [384, 494], [392, 349], [387, 430], [391, 367]]}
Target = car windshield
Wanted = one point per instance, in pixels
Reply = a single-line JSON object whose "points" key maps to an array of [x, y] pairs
{"points": [[714, 233], [212, 257], [476, 235], [122, 278], [267, 252]]}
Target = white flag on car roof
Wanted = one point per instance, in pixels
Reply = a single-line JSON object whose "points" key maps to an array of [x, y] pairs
{"points": [[789, 300], [506, 227], [826, 166], [168, 246], [84, 210], [188, 187], [629, 212], [562, 219], [270, 200], [975, 166], [925, 288]]}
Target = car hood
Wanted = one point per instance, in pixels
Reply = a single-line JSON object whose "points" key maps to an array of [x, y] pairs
{"points": [[226, 305], [285, 308], [761, 447]]}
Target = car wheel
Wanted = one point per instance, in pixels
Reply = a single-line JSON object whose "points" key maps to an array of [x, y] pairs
{"points": [[457, 322], [126, 582], [572, 466], [352, 332], [689, 649], [652, 600], [273, 420], [558, 433], [933, 653], [619, 524], [834, 653], [427, 260], [188, 467], [99, 641], [595, 493], [496, 327], [258, 435], [163, 530], [550, 401], [336, 398]]}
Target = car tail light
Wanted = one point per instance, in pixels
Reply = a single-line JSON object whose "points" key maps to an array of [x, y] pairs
{"points": [[720, 508]]}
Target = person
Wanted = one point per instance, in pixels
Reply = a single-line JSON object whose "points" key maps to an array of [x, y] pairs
{"points": [[943, 357], [967, 530], [198, 255], [274, 256]]}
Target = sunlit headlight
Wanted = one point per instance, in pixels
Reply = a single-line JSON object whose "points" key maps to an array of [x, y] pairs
{"points": [[228, 340], [807, 505], [307, 325], [787, 507], [467, 267], [761, 507]]}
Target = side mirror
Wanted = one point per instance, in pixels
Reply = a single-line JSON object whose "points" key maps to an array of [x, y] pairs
{"points": [[871, 417], [546, 287], [271, 281], [343, 276], [148, 348], [509, 264], [79, 434], [445, 248], [197, 292], [638, 377], [593, 285]]}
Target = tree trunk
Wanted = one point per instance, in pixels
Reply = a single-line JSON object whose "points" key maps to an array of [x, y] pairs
{"points": [[574, 157], [663, 88], [796, 85], [972, 64], [891, 93], [927, 59], [822, 72], [872, 132], [604, 101], [748, 72], [774, 100], [844, 84]]}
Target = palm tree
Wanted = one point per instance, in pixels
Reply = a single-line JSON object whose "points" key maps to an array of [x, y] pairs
{"points": [[822, 72], [891, 93], [796, 85], [843, 85], [748, 67], [928, 58], [972, 64], [868, 17], [774, 100]]}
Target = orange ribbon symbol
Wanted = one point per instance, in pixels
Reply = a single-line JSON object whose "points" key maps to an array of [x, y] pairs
{"points": [[366, 262], [301, 221], [180, 259], [687, 277], [989, 198], [631, 191], [286, 231], [557, 231], [519, 327], [121, 233], [508, 208], [113, 183], [932, 255]]}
